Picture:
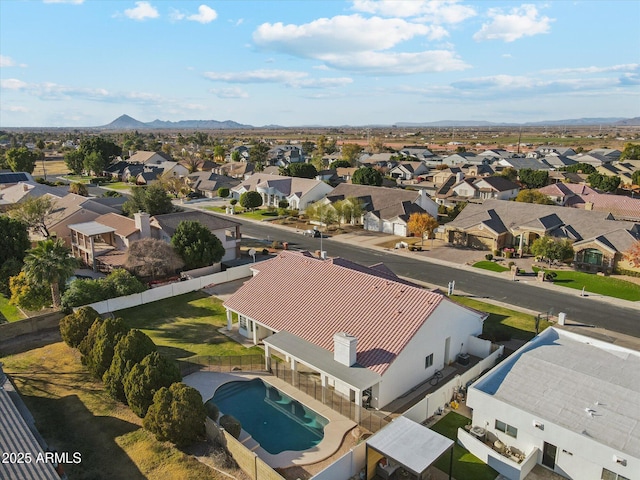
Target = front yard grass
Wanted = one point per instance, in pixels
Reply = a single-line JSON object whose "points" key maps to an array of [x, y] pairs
{"points": [[465, 465], [8, 311], [608, 286], [503, 323], [74, 414], [185, 325], [492, 266]]}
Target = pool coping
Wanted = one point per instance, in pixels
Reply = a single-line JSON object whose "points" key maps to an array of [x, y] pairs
{"points": [[334, 431]]}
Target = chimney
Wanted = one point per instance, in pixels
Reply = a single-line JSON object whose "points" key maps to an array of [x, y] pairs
{"points": [[344, 348], [459, 177], [25, 187], [588, 205], [142, 224]]}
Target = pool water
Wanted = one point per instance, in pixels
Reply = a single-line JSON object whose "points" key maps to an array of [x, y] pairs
{"points": [[276, 421]]}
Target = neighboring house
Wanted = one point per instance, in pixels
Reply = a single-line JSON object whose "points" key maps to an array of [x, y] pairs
{"points": [[380, 337], [72, 209], [167, 167], [611, 170], [551, 150], [131, 171], [242, 150], [480, 189], [149, 158], [565, 401], [208, 183], [496, 153], [611, 153], [417, 153], [465, 158], [496, 187], [599, 241], [9, 178], [116, 170], [101, 244], [227, 231], [518, 163], [345, 173], [284, 155], [299, 192], [478, 171], [386, 209], [149, 176], [11, 196], [381, 160], [558, 161], [238, 170], [619, 207], [595, 159], [408, 170]]}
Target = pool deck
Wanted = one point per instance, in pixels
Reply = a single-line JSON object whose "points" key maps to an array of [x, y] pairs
{"points": [[334, 432]]}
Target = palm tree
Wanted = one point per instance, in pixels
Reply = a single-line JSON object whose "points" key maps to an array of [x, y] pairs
{"points": [[49, 263]]}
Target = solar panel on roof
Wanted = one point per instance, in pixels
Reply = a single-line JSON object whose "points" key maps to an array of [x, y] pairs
{"points": [[13, 177]]}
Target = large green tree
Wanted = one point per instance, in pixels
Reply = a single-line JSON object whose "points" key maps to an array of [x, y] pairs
{"points": [[107, 150], [146, 378], [74, 159], [367, 176], [258, 153], [129, 350], [421, 224], [196, 244], [552, 249], [302, 170], [49, 263], [14, 239], [35, 212], [635, 177], [533, 178], [631, 151], [605, 183], [251, 200], [26, 294], [153, 200], [533, 196], [585, 168], [21, 159], [75, 326], [350, 152], [177, 415]]}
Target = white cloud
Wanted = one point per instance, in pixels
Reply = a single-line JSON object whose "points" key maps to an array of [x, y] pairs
{"points": [[359, 44], [205, 15], [74, 2], [233, 92], [533, 84], [13, 84], [522, 21], [628, 67], [15, 109], [285, 77], [342, 33], [6, 61], [142, 11], [443, 11]]}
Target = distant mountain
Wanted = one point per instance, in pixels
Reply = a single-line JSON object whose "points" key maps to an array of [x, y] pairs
{"points": [[629, 122], [125, 122], [577, 122]]}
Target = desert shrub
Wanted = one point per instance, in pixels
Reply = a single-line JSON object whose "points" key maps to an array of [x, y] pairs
{"points": [[489, 256], [213, 412], [74, 327], [233, 201], [232, 425], [146, 378], [177, 414]]}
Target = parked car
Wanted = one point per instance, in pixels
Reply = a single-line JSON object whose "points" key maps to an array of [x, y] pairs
{"points": [[312, 233]]}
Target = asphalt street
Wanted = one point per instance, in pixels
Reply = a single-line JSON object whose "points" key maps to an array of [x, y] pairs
{"points": [[585, 310]]}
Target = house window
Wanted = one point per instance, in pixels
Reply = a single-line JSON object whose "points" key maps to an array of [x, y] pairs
{"points": [[609, 475], [508, 429], [428, 361]]}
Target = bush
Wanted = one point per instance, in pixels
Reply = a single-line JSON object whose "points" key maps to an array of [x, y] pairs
{"points": [[177, 415], [146, 378], [106, 338], [213, 412], [233, 201], [117, 284], [232, 425], [276, 244], [489, 256], [508, 254], [496, 253], [283, 204], [223, 192], [74, 327], [129, 350], [87, 343], [511, 264]]}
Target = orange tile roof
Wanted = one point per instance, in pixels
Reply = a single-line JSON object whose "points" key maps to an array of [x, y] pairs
{"points": [[314, 299]]}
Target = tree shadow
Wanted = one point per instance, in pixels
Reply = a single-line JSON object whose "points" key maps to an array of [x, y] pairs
{"points": [[68, 426]]}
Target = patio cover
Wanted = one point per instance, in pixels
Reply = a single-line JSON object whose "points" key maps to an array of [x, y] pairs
{"points": [[90, 229], [322, 360], [410, 444]]}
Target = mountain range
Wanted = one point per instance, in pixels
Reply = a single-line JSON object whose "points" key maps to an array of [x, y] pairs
{"points": [[125, 122]]}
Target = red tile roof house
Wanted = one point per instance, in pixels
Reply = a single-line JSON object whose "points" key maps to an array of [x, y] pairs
{"points": [[362, 328]]}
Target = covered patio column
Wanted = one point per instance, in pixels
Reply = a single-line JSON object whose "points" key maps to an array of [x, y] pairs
{"points": [[267, 357], [294, 369], [359, 404], [229, 319]]}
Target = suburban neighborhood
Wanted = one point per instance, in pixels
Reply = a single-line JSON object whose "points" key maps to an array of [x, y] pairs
{"points": [[195, 278]]}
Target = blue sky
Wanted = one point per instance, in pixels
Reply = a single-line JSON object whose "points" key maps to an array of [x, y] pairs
{"points": [[360, 62]]}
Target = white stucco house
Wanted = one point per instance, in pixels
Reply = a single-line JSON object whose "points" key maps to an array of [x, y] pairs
{"points": [[299, 192], [363, 329], [568, 402]]}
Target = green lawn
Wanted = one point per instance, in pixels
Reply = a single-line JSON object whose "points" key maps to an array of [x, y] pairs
{"points": [[260, 214], [493, 266], [78, 178], [465, 465], [185, 325], [118, 186], [504, 323], [596, 284], [8, 311]]}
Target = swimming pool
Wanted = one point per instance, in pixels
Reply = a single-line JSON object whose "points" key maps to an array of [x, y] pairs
{"points": [[276, 421]]}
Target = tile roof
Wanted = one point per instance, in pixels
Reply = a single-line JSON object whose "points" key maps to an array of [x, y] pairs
{"points": [[383, 313], [285, 185], [377, 198], [124, 226]]}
